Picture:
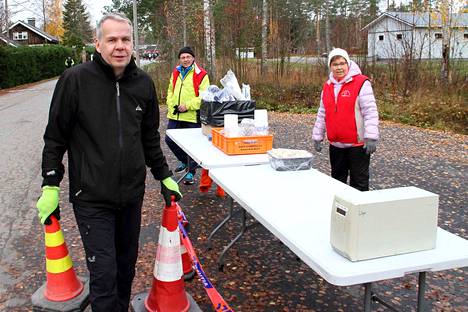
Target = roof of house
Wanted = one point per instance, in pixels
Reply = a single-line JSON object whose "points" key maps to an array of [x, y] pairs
{"points": [[36, 30], [8, 41], [422, 19]]}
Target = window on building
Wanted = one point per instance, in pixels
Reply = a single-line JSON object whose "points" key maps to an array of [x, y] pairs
{"points": [[465, 36], [399, 36], [438, 35], [380, 37], [20, 35]]}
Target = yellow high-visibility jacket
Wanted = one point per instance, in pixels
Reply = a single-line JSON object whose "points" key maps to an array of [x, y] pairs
{"points": [[184, 92]]}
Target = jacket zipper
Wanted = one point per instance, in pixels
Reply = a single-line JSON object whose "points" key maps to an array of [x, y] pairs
{"points": [[336, 98], [118, 115], [119, 121], [180, 91]]}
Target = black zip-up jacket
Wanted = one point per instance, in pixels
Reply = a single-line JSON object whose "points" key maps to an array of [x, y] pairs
{"points": [[109, 128]]}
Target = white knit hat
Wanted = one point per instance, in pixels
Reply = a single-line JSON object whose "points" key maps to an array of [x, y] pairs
{"points": [[338, 52]]}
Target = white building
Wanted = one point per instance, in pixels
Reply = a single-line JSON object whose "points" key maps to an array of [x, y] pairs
{"points": [[244, 53], [396, 34]]}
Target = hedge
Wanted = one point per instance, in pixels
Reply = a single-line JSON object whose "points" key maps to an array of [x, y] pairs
{"points": [[29, 64]]}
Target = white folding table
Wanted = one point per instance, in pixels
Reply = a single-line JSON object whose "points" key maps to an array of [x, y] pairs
{"points": [[208, 156], [296, 207]]}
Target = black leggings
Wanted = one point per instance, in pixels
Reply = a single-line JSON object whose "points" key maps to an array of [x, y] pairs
{"points": [[352, 162]]}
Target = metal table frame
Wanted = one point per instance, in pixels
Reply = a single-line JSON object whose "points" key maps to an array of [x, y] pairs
{"points": [[451, 251]]}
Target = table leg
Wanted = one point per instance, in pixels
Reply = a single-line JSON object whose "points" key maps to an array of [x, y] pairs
{"points": [[221, 224], [367, 297], [421, 291], [182, 177], [377, 299], [187, 170], [223, 254]]}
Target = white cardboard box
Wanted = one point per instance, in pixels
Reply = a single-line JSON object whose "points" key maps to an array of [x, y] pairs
{"points": [[366, 225]]}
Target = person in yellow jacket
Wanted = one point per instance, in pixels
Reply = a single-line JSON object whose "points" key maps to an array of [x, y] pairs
{"points": [[187, 81]]}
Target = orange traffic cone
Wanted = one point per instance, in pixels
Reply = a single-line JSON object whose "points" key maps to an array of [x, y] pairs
{"points": [[205, 181], [219, 191], [62, 283], [168, 291], [187, 263]]}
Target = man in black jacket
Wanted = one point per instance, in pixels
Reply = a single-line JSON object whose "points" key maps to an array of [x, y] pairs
{"points": [[105, 114]]}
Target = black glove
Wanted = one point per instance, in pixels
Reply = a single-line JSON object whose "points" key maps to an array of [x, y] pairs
{"points": [[170, 188], [56, 213], [317, 145], [176, 110]]}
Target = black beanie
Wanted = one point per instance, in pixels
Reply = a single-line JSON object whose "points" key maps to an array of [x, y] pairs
{"points": [[186, 50]]}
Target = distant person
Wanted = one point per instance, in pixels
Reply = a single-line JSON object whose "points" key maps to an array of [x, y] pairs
{"points": [[83, 55], [69, 62], [187, 81], [348, 114], [105, 115]]}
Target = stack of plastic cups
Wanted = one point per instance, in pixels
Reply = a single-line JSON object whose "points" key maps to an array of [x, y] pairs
{"points": [[231, 125], [261, 121]]}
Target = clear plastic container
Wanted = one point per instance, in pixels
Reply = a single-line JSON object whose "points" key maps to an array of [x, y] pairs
{"points": [[282, 159]]}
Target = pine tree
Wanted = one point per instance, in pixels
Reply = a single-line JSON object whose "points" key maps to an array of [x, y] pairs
{"points": [[76, 24]]}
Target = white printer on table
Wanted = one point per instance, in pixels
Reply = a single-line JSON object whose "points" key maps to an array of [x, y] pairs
{"points": [[366, 225]]}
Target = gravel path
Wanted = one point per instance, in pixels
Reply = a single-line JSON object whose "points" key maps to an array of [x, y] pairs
{"points": [[261, 274]]}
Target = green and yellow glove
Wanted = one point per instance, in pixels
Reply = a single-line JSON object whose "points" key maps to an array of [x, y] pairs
{"points": [[169, 187], [48, 203]]}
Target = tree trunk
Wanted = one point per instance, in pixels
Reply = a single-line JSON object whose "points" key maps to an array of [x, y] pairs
{"points": [[209, 38], [135, 30], [445, 17], [317, 31], [184, 22], [44, 24], [327, 29], [264, 36], [6, 22]]}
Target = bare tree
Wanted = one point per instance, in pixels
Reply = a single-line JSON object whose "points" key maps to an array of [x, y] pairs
{"points": [[4, 17], [264, 35]]}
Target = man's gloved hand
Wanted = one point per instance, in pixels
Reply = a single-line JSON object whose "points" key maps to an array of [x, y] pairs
{"points": [[370, 146], [169, 187], [48, 203], [318, 145]]}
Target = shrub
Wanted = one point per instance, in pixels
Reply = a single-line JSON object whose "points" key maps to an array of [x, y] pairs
{"points": [[29, 64]]}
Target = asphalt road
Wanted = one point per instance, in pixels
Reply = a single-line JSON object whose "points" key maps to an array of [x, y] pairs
{"points": [[23, 115]]}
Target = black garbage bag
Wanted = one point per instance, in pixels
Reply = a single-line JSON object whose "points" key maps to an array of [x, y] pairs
{"points": [[212, 113]]}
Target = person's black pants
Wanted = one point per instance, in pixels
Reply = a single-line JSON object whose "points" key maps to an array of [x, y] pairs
{"points": [[352, 162], [110, 239], [178, 152]]}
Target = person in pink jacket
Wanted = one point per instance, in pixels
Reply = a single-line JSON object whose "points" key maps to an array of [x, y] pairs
{"points": [[348, 114]]}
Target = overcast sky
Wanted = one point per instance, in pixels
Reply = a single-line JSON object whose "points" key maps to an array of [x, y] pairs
{"points": [[24, 9]]}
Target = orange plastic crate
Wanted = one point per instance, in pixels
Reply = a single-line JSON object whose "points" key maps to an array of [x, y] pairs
{"points": [[241, 145]]}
